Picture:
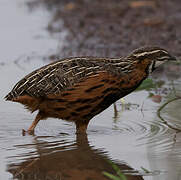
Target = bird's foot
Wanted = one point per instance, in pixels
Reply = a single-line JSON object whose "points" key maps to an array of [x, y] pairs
{"points": [[29, 132]]}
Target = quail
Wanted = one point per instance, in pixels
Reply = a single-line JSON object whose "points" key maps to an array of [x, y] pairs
{"points": [[78, 88]]}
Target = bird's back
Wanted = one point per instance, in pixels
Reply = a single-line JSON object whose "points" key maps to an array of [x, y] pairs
{"points": [[61, 75]]}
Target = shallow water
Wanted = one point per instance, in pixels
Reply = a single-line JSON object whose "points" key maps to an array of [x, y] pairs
{"points": [[135, 137]]}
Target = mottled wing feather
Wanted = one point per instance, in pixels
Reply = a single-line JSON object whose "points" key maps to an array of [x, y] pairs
{"points": [[61, 75]]}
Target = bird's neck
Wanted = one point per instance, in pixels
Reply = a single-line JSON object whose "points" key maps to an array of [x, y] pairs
{"points": [[134, 76], [124, 65]]}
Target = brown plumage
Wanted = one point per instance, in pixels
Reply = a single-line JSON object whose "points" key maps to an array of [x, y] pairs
{"points": [[76, 89]]}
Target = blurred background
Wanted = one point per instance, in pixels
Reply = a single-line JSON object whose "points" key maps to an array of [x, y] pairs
{"points": [[114, 28]]}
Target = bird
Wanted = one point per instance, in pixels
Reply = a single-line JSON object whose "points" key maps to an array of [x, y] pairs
{"points": [[76, 89]]}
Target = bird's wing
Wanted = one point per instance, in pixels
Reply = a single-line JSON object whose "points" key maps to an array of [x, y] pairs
{"points": [[59, 76]]}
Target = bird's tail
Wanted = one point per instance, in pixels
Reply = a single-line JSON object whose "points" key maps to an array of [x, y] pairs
{"points": [[10, 96]]}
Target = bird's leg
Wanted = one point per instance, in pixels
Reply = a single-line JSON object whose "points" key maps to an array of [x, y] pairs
{"points": [[30, 130], [81, 127]]}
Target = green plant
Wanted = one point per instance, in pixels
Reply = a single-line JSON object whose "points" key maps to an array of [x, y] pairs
{"points": [[146, 85], [120, 175]]}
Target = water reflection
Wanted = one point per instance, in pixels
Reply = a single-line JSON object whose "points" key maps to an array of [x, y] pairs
{"points": [[64, 160]]}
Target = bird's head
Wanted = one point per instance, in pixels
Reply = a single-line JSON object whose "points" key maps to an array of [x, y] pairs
{"points": [[151, 57]]}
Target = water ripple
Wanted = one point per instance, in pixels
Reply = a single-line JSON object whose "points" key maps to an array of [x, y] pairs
{"points": [[153, 134]]}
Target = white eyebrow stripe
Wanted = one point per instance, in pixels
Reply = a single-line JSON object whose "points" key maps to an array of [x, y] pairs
{"points": [[147, 53]]}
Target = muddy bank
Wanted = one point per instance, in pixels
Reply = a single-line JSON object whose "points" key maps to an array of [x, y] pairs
{"points": [[114, 28]]}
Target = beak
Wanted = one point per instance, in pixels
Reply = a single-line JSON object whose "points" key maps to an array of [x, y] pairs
{"points": [[177, 61], [172, 58]]}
